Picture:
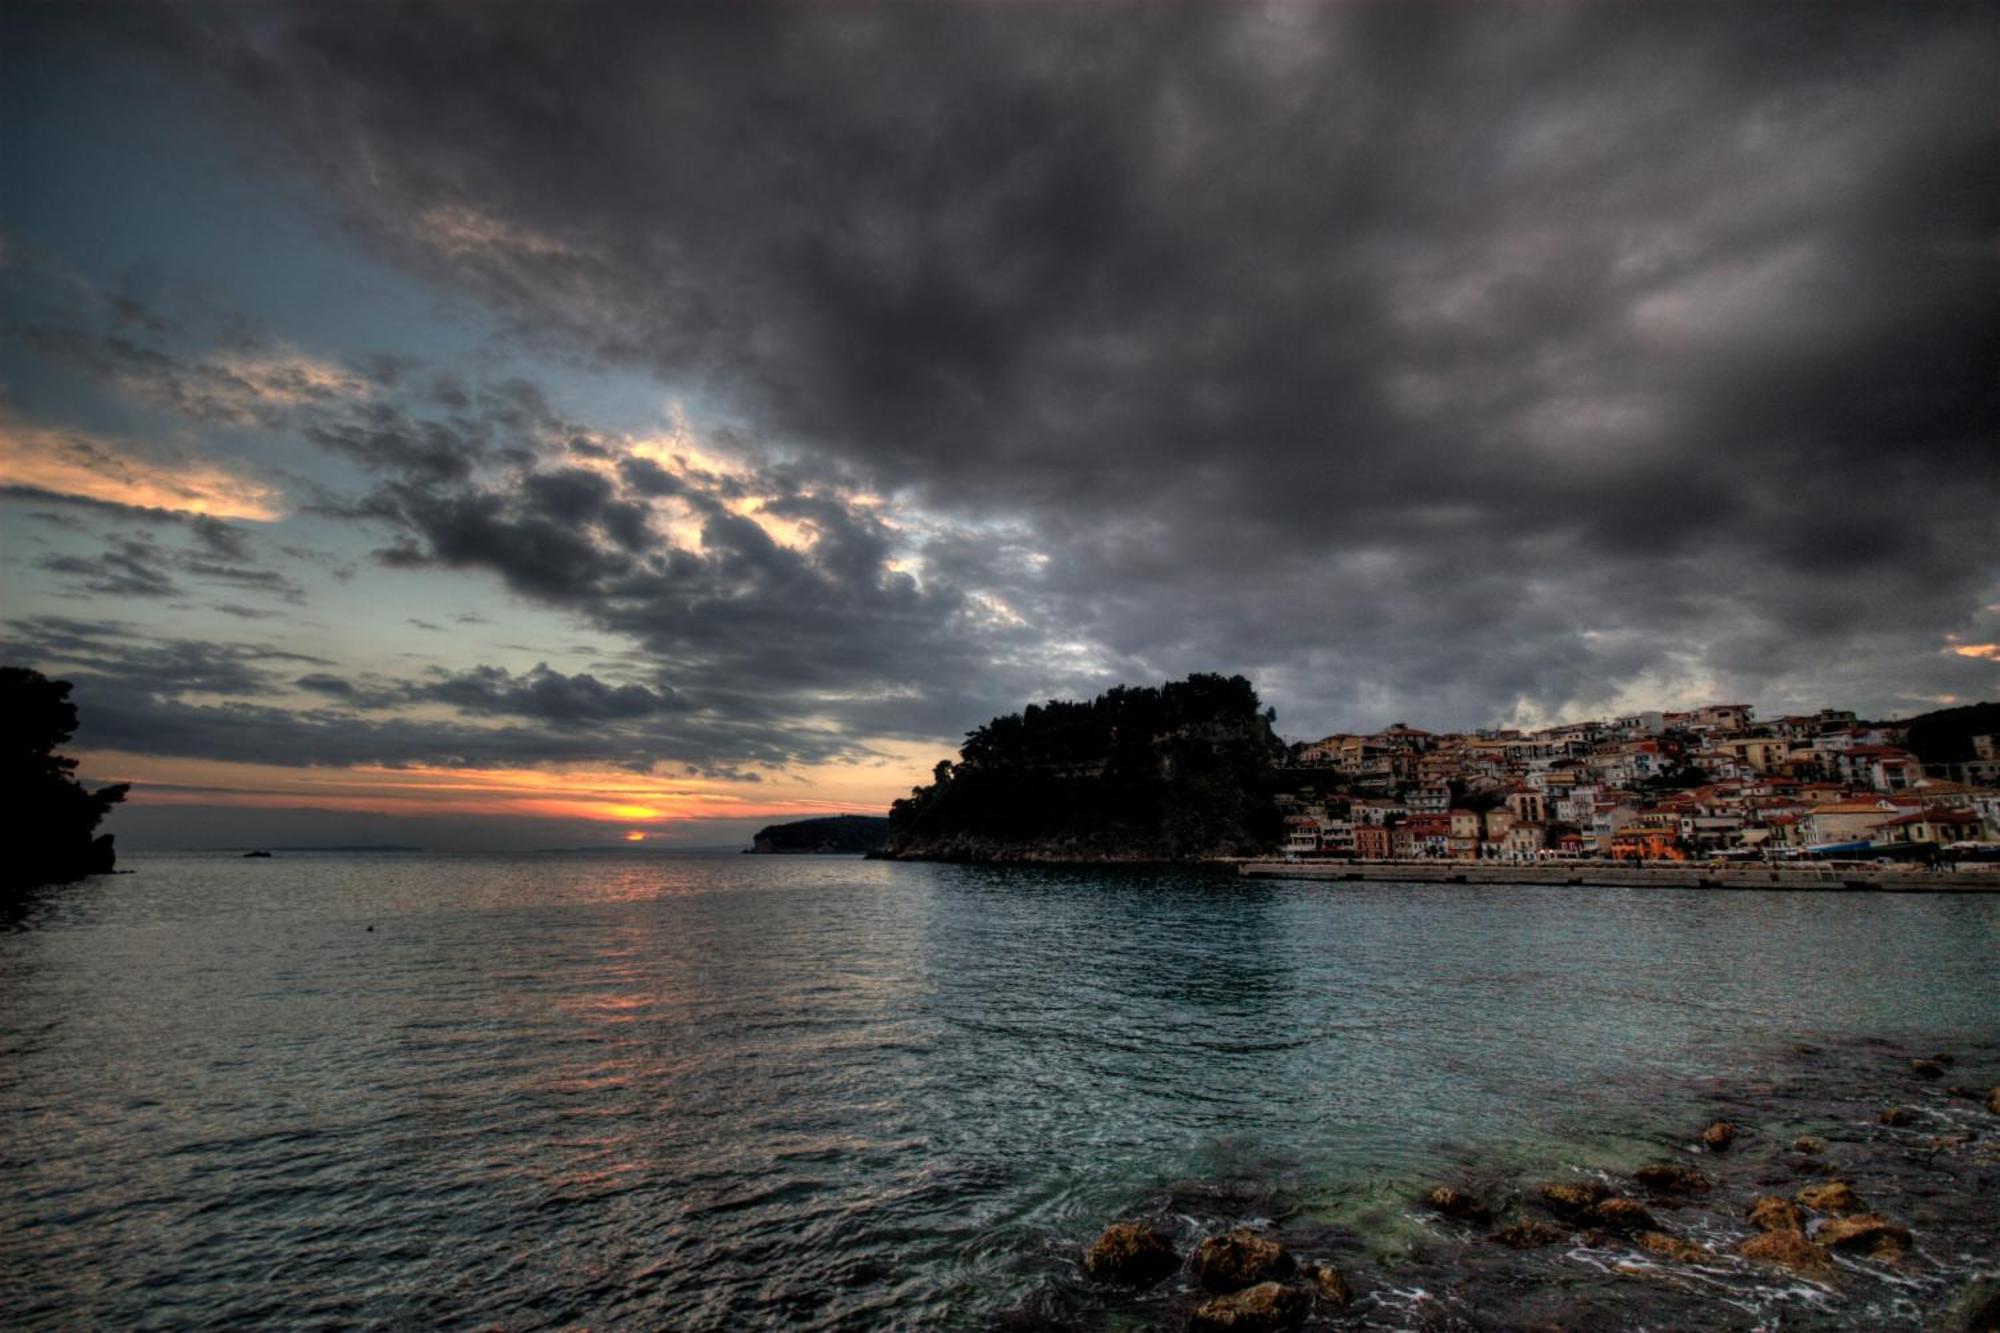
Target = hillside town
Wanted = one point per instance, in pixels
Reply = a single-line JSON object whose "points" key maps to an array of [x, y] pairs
{"points": [[1711, 783]]}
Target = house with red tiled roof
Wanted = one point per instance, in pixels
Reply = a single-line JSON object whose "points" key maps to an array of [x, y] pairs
{"points": [[1937, 826]]}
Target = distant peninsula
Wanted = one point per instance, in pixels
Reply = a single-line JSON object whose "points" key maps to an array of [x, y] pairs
{"points": [[1178, 772], [850, 835]]}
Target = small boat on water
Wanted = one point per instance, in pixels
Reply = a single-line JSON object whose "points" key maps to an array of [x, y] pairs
{"points": [[266, 855]]}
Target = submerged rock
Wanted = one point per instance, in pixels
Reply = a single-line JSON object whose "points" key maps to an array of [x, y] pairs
{"points": [[1808, 1145], [1671, 1247], [1771, 1213], [1993, 1101], [1787, 1249], [1896, 1116], [1457, 1204], [1572, 1199], [1865, 1233], [1976, 1309], [1622, 1215], [1133, 1253], [1671, 1178], [1718, 1136], [1836, 1196], [1528, 1235], [1331, 1286], [1241, 1258], [1266, 1306], [1926, 1069]]}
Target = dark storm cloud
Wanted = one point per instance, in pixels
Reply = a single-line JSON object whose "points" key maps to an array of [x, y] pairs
{"points": [[1412, 356], [1419, 361], [127, 569], [544, 695], [222, 540], [140, 692], [139, 567]]}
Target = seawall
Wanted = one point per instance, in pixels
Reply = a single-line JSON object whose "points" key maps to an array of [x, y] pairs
{"points": [[1809, 877]]}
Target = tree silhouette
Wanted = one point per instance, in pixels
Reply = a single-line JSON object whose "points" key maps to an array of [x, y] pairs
{"points": [[54, 819], [1140, 772]]}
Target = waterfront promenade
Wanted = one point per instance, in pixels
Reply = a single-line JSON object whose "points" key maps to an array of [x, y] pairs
{"points": [[1809, 876]]}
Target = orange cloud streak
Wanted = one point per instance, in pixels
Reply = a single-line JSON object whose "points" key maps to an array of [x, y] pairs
{"points": [[72, 463]]}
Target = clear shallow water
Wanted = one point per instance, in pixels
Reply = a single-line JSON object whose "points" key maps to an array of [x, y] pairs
{"points": [[700, 1092]]}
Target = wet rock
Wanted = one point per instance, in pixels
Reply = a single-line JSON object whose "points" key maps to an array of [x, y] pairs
{"points": [[1836, 1196], [1926, 1069], [1528, 1235], [1965, 1094], [1242, 1258], [1132, 1253], [1976, 1308], [1329, 1284], [1993, 1101], [1809, 1145], [1787, 1249], [1896, 1116], [1458, 1204], [1266, 1306], [1865, 1233], [1718, 1136], [1771, 1213], [1671, 1178], [1572, 1198], [1622, 1215], [1671, 1247], [1944, 1058]]}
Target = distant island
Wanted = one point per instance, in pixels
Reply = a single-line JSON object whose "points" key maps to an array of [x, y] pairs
{"points": [[1178, 772], [850, 835]]}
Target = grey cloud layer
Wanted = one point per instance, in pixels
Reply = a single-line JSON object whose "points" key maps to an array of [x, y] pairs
{"points": [[1417, 361], [153, 695]]}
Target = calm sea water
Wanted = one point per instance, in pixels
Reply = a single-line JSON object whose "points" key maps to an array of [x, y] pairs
{"points": [[702, 1092]]}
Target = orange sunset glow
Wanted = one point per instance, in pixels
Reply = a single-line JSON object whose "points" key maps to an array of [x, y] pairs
{"points": [[590, 794], [71, 463]]}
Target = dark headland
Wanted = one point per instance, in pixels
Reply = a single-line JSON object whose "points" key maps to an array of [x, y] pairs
{"points": [[832, 835], [1179, 772]]}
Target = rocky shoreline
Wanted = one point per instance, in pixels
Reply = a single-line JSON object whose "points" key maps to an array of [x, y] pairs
{"points": [[1853, 1187]]}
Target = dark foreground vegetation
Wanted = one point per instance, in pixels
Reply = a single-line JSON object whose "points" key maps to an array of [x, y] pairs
{"points": [[53, 817], [1178, 772], [1945, 736]]}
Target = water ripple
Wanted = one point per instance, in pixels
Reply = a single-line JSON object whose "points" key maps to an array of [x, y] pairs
{"points": [[700, 1093]]}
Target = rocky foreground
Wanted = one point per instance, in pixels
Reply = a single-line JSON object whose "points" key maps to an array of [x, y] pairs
{"points": [[1856, 1188]]}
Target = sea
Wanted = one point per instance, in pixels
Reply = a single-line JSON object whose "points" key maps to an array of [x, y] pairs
{"points": [[647, 1090]]}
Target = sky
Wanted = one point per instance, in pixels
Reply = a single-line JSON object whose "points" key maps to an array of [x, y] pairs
{"points": [[484, 425]]}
